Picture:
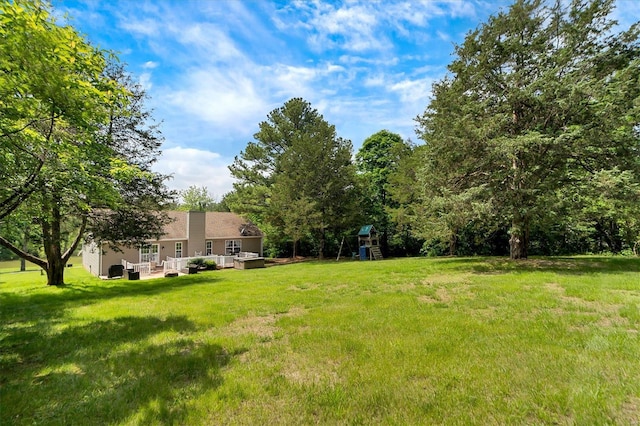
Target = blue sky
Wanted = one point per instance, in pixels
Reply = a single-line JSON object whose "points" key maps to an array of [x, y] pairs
{"points": [[214, 69]]}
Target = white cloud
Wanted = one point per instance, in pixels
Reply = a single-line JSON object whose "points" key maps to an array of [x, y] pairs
{"points": [[198, 167], [149, 65], [224, 97], [413, 91], [214, 44], [351, 26], [147, 26]]}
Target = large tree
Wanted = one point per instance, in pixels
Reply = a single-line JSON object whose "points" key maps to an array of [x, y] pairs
{"points": [[297, 176], [377, 160], [539, 98], [76, 144]]}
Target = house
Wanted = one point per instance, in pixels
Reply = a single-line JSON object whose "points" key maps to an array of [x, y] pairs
{"points": [[190, 234]]}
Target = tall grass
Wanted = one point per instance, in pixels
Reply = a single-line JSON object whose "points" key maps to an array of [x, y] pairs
{"points": [[448, 341]]}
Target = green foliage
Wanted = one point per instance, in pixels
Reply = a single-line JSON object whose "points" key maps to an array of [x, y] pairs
{"points": [[210, 265], [297, 177], [541, 101], [377, 160], [197, 198], [77, 145]]}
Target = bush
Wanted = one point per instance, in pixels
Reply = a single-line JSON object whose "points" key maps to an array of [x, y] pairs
{"points": [[210, 265]]}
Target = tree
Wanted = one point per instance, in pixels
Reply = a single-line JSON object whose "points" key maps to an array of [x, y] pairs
{"points": [[76, 145], [47, 73], [196, 198], [297, 176], [537, 96], [379, 158]]}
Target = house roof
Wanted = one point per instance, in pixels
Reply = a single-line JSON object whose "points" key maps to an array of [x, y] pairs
{"points": [[217, 225], [229, 225], [177, 228]]}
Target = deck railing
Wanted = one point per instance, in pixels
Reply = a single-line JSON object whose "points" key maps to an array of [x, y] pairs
{"points": [[179, 263], [143, 268]]}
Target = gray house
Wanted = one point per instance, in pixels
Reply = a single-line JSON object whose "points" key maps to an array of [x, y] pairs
{"points": [[189, 234]]}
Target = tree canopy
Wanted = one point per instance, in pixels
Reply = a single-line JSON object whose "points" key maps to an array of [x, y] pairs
{"points": [[377, 160], [77, 143], [297, 177], [541, 102]]}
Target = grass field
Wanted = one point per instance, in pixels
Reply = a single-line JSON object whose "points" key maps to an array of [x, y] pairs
{"points": [[407, 341]]}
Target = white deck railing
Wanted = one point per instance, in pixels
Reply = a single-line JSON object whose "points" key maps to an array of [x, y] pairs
{"points": [[179, 263], [143, 268]]}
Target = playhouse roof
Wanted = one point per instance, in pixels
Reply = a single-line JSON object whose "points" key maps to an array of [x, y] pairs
{"points": [[366, 230]]}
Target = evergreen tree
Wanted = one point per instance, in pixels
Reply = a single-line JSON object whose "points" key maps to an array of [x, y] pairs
{"points": [[539, 98], [297, 177], [378, 159]]}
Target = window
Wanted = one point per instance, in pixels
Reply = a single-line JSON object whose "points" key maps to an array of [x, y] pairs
{"points": [[149, 253], [232, 247], [178, 249], [208, 250]]}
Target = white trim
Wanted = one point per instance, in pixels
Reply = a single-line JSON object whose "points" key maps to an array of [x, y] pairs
{"points": [[152, 256]]}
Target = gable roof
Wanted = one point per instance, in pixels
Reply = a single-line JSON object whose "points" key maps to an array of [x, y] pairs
{"points": [[177, 228], [217, 225], [228, 225], [366, 230]]}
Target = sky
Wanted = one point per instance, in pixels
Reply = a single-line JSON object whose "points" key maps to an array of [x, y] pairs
{"points": [[214, 69]]}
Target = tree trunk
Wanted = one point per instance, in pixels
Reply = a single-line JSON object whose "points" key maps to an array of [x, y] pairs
{"points": [[55, 271], [52, 245], [321, 245], [55, 264], [453, 242], [25, 241], [519, 240], [384, 242]]}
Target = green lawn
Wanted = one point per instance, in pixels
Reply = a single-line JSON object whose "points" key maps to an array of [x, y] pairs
{"points": [[453, 341]]}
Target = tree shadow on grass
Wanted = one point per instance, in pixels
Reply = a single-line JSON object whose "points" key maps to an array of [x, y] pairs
{"points": [[558, 265], [137, 369], [43, 303]]}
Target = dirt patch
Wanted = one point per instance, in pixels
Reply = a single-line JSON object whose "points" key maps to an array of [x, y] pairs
{"points": [[608, 313], [262, 326], [437, 279], [447, 294], [630, 412], [302, 371]]}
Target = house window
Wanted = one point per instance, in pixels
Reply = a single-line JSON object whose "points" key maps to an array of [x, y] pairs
{"points": [[232, 247], [149, 253], [178, 249], [208, 250]]}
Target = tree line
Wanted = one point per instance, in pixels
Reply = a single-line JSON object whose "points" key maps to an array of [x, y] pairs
{"points": [[529, 145]]}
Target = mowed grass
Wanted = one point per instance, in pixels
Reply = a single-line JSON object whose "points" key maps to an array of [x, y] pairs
{"points": [[407, 341]]}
